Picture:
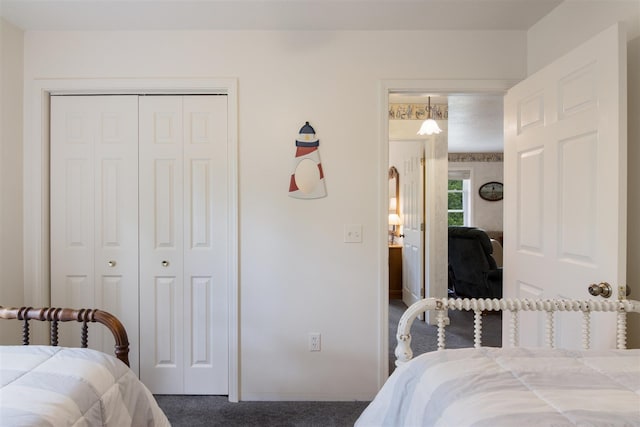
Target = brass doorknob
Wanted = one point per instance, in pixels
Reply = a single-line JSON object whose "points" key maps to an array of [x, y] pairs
{"points": [[111, 263], [165, 263], [602, 289]]}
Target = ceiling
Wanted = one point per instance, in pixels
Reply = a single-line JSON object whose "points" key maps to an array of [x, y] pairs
{"points": [[275, 14], [476, 119], [475, 123]]}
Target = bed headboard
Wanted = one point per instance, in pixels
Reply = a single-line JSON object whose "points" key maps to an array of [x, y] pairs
{"points": [[404, 353], [55, 315]]}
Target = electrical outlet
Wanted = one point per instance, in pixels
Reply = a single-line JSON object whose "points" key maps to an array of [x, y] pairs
{"points": [[314, 341]]}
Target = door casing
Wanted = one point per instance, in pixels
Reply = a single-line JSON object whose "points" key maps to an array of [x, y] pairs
{"points": [[431, 257]]}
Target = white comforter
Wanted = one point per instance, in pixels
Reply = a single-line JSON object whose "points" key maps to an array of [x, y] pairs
{"points": [[511, 387], [56, 386]]}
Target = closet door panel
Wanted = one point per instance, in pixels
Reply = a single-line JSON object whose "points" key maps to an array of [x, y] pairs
{"points": [[183, 182], [205, 252], [165, 208], [94, 211], [116, 215], [200, 321], [77, 208], [200, 233], [165, 349], [72, 220], [161, 243]]}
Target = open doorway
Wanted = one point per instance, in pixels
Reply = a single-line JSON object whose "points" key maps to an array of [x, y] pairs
{"points": [[435, 209]]}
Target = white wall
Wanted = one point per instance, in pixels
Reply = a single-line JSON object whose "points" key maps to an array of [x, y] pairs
{"points": [[11, 276], [574, 22], [550, 39], [484, 214], [296, 274]]}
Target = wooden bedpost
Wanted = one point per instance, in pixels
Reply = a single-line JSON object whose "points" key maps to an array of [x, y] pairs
{"points": [[55, 315]]}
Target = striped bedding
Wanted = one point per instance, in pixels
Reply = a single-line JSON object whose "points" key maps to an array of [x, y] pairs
{"points": [[511, 387], [56, 386]]}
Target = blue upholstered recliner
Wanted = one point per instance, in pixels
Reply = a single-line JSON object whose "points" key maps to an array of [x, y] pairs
{"points": [[473, 272]]}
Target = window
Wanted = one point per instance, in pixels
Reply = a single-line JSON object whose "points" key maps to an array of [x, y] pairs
{"points": [[458, 197]]}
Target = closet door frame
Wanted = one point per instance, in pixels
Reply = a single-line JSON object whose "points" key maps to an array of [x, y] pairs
{"points": [[36, 174]]}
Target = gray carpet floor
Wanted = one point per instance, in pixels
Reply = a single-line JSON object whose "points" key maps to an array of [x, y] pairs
{"points": [[193, 411], [217, 411]]}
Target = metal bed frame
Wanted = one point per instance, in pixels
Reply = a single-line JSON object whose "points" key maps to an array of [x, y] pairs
{"points": [[404, 353]]}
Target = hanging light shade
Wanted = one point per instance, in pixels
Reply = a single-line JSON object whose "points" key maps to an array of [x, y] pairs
{"points": [[429, 126]]}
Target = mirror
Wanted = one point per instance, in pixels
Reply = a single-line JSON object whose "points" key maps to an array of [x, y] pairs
{"points": [[394, 189], [394, 203]]}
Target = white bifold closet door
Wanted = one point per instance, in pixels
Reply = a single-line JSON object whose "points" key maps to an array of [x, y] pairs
{"points": [[94, 213], [139, 215], [183, 244]]}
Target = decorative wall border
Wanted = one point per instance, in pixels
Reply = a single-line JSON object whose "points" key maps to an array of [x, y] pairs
{"points": [[418, 111], [476, 157]]}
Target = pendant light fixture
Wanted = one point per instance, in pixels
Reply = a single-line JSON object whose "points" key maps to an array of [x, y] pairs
{"points": [[429, 126]]}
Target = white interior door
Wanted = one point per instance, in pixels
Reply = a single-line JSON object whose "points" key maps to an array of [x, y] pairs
{"points": [[565, 192], [183, 242], [412, 202], [94, 212], [436, 258]]}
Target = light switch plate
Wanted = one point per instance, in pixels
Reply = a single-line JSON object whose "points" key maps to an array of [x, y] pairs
{"points": [[353, 233]]}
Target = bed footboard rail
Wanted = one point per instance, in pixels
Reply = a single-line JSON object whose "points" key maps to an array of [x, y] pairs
{"points": [[404, 353], [55, 315]]}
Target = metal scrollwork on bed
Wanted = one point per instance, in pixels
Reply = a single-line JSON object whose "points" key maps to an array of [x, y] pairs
{"points": [[404, 353], [55, 315]]}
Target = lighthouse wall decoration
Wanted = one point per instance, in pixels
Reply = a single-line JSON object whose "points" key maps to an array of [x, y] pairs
{"points": [[307, 178]]}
